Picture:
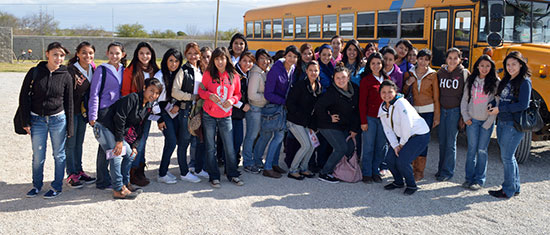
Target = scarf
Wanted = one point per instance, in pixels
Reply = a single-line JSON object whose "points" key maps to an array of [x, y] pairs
{"points": [[348, 93], [327, 69], [398, 96], [317, 91]]}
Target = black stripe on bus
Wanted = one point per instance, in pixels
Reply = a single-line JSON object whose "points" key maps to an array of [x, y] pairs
{"points": [[417, 41]]}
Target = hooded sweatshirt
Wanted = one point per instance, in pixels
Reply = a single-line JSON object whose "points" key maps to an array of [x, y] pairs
{"points": [[225, 89], [425, 92], [451, 86], [400, 122], [475, 103], [278, 82], [256, 86]]}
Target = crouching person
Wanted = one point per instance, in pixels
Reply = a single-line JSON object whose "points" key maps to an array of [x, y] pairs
{"points": [[407, 133], [119, 132]]}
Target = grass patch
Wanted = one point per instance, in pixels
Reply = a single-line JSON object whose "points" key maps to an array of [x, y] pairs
{"points": [[25, 66]]}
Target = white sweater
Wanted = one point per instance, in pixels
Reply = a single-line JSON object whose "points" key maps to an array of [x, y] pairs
{"points": [[406, 122]]}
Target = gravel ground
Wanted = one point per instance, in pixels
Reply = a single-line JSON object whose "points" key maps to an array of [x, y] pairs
{"points": [[264, 205]]}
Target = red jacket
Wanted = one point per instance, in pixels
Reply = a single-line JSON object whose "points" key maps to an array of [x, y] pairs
{"points": [[226, 90], [369, 98], [127, 87]]}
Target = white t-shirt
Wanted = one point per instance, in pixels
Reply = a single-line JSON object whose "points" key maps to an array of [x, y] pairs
{"points": [[198, 79]]}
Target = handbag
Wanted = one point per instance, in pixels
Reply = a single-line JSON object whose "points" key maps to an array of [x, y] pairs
{"points": [[273, 117], [194, 121], [18, 118], [529, 120], [348, 169]]}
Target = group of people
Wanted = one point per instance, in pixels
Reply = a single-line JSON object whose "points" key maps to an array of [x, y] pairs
{"points": [[318, 104]]}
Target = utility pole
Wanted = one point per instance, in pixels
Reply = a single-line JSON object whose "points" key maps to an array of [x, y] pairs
{"points": [[217, 20], [113, 21]]}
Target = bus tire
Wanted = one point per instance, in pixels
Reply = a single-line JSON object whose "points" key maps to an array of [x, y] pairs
{"points": [[524, 149]]}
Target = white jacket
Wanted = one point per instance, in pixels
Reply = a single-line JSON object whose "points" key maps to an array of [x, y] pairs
{"points": [[406, 122]]}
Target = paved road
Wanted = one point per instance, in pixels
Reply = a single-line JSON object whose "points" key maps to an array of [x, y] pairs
{"points": [[263, 205]]}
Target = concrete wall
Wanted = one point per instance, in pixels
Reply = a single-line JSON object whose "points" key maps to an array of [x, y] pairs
{"points": [[38, 44], [6, 44]]}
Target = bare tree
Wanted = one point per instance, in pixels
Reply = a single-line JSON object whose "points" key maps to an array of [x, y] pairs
{"points": [[40, 23], [192, 30]]}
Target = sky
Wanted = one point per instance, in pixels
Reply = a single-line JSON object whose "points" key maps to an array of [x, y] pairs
{"points": [[176, 15]]}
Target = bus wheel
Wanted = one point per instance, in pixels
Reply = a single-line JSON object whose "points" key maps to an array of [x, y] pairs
{"points": [[524, 149]]}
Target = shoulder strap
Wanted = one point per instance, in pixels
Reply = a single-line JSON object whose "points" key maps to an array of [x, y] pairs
{"points": [[465, 74], [391, 117]]}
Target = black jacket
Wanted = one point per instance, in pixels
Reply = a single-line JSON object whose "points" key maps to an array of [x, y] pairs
{"points": [[126, 112], [238, 113], [51, 93], [188, 84], [79, 91], [332, 102], [300, 102]]}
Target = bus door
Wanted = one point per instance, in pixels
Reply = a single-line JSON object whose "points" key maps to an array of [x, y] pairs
{"points": [[451, 27]]}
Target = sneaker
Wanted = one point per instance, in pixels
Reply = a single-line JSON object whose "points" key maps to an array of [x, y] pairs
{"points": [[328, 178], [51, 194], [252, 169], [384, 172], [476, 187], [192, 169], [190, 178], [237, 181], [442, 178], [367, 179], [215, 184], [498, 194], [392, 186], [203, 174], [377, 179], [410, 191], [86, 178], [166, 179], [73, 181], [32, 193], [171, 176], [466, 184]]}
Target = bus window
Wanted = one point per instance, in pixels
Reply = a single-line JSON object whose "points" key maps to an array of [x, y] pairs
{"points": [[541, 21], [365, 25], [439, 40], [288, 28], [329, 26], [517, 21], [277, 28], [301, 26], [462, 32], [387, 24], [412, 23], [314, 27], [346, 25], [267, 28], [483, 22], [257, 29], [249, 29]]}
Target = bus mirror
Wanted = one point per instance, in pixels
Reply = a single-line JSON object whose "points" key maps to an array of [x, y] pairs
{"points": [[494, 39], [496, 14]]}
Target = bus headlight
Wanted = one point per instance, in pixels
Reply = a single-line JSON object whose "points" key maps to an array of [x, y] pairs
{"points": [[543, 71]]}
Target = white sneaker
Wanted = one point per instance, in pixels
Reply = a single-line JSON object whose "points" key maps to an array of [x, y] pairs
{"points": [[166, 179], [190, 178], [203, 174], [171, 176], [192, 170]]}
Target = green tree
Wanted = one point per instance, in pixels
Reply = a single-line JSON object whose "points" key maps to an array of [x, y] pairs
{"points": [[181, 34], [131, 30], [226, 35], [8, 20]]}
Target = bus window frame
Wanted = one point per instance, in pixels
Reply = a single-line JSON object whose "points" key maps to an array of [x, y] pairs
{"points": [[423, 24], [320, 26], [284, 37], [305, 29], [339, 25], [280, 20], [374, 14], [323, 25], [270, 21], [397, 27]]}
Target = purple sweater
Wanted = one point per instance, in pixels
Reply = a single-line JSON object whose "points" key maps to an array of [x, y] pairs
{"points": [[277, 83], [111, 90], [397, 77]]}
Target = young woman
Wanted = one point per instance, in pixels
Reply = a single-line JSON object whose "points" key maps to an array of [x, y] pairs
{"points": [[327, 68], [407, 133], [185, 90], [81, 70], [119, 131], [306, 56], [515, 92], [206, 54], [352, 60], [101, 99], [391, 69], [143, 66], [402, 48], [421, 82], [412, 56], [369, 49], [452, 77], [220, 89], [299, 103], [478, 94], [336, 42], [237, 46], [336, 114], [374, 141], [46, 100], [256, 99], [277, 85]]}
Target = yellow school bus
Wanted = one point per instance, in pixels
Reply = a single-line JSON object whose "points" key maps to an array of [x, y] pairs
{"points": [[470, 25]]}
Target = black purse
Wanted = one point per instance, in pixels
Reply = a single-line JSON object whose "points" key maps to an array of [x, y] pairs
{"points": [[529, 120], [18, 119]]}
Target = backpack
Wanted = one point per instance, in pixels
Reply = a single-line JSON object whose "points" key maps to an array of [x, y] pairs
{"points": [[18, 119], [84, 106], [348, 169]]}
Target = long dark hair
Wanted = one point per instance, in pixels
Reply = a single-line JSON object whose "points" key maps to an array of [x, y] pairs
{"points": [[523, 74], [235, 37], [375, 55], [123, 61], [78, 48], [166, 74], [358, 58], [490, 84], [299, 72], [136, 72], [229, 68]]}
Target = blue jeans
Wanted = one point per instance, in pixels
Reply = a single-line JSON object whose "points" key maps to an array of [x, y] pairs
{"points": [[508, 141], [56, 126], [429, 118], [73, 146], [274, 149], [120, 166], [478, 142], [140, 158], [301, 159], [209, 125], [170, 141], [102, 169], [197, 153], [448, 131], [184, 139], [374, 147], [336, 139], [400, 166], [253, 124]]}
